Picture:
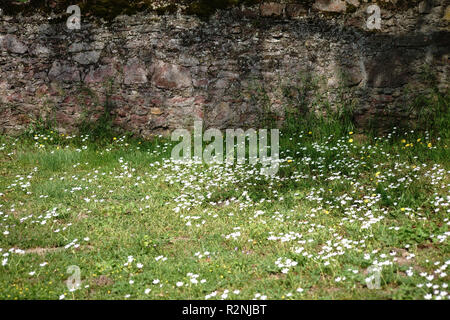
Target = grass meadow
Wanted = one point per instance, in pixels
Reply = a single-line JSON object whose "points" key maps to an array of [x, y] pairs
{"points": [[349, 215]]}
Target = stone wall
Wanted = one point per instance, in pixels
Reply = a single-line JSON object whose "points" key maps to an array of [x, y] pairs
{"points": [[159, 72]]}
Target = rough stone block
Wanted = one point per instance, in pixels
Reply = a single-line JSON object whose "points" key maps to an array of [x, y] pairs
{"points": [[89, 57], [11, 44], [61, 71], [134, 72], [170, 76], [269, 9], [330, 5], [294, 10]]}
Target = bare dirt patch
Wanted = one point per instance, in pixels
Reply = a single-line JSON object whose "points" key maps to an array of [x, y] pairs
{"points": [[102, 281], [43, 251]]}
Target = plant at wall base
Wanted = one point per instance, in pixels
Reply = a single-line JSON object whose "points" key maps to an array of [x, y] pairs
{"points": [[44, 122], [296, 93], [432, 109], [101, 128], [259, 96], [49, 120], [308, 106], [305, 104], [345, 99], [430, 105]]}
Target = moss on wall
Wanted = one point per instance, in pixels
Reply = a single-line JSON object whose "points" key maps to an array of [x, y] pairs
{"points": [[109, 9], [205, 8]]}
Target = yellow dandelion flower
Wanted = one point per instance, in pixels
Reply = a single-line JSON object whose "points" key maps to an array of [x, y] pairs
{"points": [[403, 141], [350, 140], [429, 144]]}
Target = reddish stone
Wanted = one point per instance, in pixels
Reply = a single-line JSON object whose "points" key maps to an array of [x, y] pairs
{"points": [[42, 90], [179, 101], [156, 101], [119, 121], [354, 22], [330, 5], [170, 76], [121, 112], [63, 118], [294, 10], [200, 100], [138, 120], [68, 99], [269, 9]]}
